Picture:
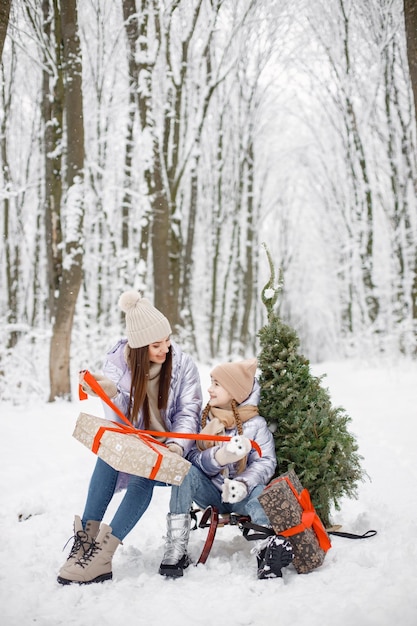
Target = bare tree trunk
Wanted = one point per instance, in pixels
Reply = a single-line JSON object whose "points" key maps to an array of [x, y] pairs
{"points": [[52, 114], [11, 266], [216, 230], [11, 251], [187, 318], [132, 33], [59, 363], [365, 205], [4, 22], [404, 238], [161, 240], [410, 17], [248, 278], [138, 34]]}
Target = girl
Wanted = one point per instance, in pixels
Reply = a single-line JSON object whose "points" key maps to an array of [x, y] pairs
{"points": [[157, 387], [230, 476]]}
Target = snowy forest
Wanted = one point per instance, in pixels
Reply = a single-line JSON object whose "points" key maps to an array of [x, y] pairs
{"points": [[164, 145]]}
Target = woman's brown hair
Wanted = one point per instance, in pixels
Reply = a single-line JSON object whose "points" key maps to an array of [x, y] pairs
{"points": [[139, 365]]}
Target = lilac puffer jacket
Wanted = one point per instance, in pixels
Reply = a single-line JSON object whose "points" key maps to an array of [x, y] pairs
{"points": [[184, 400], [259, 470]]}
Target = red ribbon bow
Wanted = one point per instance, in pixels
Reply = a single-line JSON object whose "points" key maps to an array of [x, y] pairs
{"points": [[309, 519]]}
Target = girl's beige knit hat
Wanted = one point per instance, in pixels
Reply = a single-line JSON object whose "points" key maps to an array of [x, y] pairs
{"points": [[144, 323], [237, 378]]}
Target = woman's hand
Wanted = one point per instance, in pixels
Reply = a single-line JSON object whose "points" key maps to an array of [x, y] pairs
{"points": [[105, 383]]}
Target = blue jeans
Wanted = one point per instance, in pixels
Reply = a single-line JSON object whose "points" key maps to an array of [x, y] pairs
{"points": [[197, 487], [134, 504]]}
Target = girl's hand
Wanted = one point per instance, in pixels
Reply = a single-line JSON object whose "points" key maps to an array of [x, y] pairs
{"points": [[233, 490], [233, 450]]}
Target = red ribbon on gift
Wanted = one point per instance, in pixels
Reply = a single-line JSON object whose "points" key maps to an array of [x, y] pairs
{"points": [[130, 430], [309, 518], [146, 436]]}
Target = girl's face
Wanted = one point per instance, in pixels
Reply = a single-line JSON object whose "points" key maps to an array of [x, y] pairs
{"points": [[219, 397], [158, 350]]}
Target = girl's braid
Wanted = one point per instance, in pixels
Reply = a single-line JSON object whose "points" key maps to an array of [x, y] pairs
{"points": [[242, 463], [237, 417], [204, 415]]}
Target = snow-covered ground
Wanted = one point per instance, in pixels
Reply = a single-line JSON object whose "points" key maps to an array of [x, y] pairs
{"points": [[44, 476]]}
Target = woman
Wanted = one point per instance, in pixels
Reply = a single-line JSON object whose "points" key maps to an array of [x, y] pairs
{"points": [[157, 387], [229, 476]]}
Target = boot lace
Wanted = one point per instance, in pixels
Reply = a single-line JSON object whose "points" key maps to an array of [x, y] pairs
{"points": [[89, 554], [80, 541]]}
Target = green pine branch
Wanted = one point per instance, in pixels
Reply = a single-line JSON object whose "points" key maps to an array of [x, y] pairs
{"points": [[311, 436]]}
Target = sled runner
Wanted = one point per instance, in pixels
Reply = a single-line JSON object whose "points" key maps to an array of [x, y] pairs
{"points": [[212, 519]]}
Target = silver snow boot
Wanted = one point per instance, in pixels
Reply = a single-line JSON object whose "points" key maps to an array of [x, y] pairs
{"points": [[176, 558]]}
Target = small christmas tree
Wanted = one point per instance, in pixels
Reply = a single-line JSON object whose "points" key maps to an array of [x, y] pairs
{"points": [[310, 435]]}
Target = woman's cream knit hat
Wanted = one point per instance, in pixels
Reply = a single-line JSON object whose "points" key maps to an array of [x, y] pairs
{"points": [[144, 323], [237, 378]]}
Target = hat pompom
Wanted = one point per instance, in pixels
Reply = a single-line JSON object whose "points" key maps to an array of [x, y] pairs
{"points": [[128, 300]]}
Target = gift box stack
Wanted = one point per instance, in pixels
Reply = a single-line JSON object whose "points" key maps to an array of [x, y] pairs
{"points": [[291, 513], [129, 452]]}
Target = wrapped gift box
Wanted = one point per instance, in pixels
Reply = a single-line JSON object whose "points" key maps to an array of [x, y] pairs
{"points": [[291, 513], [128, 452]]}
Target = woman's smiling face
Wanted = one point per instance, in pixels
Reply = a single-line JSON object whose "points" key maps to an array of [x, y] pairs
{"points": [[158, 350]]}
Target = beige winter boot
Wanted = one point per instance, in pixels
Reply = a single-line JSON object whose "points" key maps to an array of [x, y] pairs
{"points": [[82, 540], [95, 565]]}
